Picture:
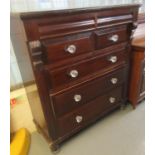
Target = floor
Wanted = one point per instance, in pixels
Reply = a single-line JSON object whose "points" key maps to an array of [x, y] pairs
{"points": [[121, 133]]}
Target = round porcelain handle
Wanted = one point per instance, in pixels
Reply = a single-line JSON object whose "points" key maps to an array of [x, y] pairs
{"points": [[71, 49], [114, 80], [112, 99], [73, 73], [114, 38], [78, 119], [77, 98], [113, 59]]}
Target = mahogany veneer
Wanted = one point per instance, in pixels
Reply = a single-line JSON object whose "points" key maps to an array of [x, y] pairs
{"points": [[80, 59]]}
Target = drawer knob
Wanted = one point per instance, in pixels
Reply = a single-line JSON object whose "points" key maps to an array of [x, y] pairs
{"points": [[71, 49], [114, 38], [113, 59], [77, 98], [114, 80], [112, 99], [73, 73], [78, 119]]}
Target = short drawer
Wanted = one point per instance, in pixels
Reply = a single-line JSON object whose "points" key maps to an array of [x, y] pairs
{"points": [[72, 74], [67, 47], [109, 60], [111, 36], [78, 96], [89, 112]]}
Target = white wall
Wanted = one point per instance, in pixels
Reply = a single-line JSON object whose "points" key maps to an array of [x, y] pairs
{"points": [[20, 72], [20, 62]]}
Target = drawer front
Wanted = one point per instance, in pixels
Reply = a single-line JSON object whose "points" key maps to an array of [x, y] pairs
{"points": [[76, 97], [108, 37], [110, 59], [75, 73], [69, 75], [67, 47], [90, 111]]}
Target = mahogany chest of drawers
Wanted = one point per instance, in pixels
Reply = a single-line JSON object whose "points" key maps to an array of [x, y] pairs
{"points": [[80, 59], [137, 75]]}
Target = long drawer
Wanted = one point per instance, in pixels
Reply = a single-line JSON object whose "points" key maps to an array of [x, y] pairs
{"points": [[74, 73], [78, 96], [91, 111]]}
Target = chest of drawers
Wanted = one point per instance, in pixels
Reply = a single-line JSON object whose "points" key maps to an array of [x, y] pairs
{"points": [[80, 60], [137, 75]]}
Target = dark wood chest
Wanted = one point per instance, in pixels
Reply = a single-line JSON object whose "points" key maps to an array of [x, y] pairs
{"points": [[81, 60], [137, 75]]}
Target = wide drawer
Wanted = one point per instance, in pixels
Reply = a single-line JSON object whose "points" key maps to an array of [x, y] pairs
{"points": [[67, 47], [91, 111], [111, 36], [72, 74], [78, 96]]}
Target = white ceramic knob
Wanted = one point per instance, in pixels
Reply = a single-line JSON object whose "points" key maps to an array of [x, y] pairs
{"points": [[71, 49], [77, 98], [78, 119], [114, 80], [113, 59], [112, 99], [73, 73], [114, 38]]}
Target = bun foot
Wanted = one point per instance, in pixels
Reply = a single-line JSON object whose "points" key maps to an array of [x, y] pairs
{"points": [[55, 148]]}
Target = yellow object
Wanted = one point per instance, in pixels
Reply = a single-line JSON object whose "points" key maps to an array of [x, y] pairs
{"points": [[20, 143]]}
